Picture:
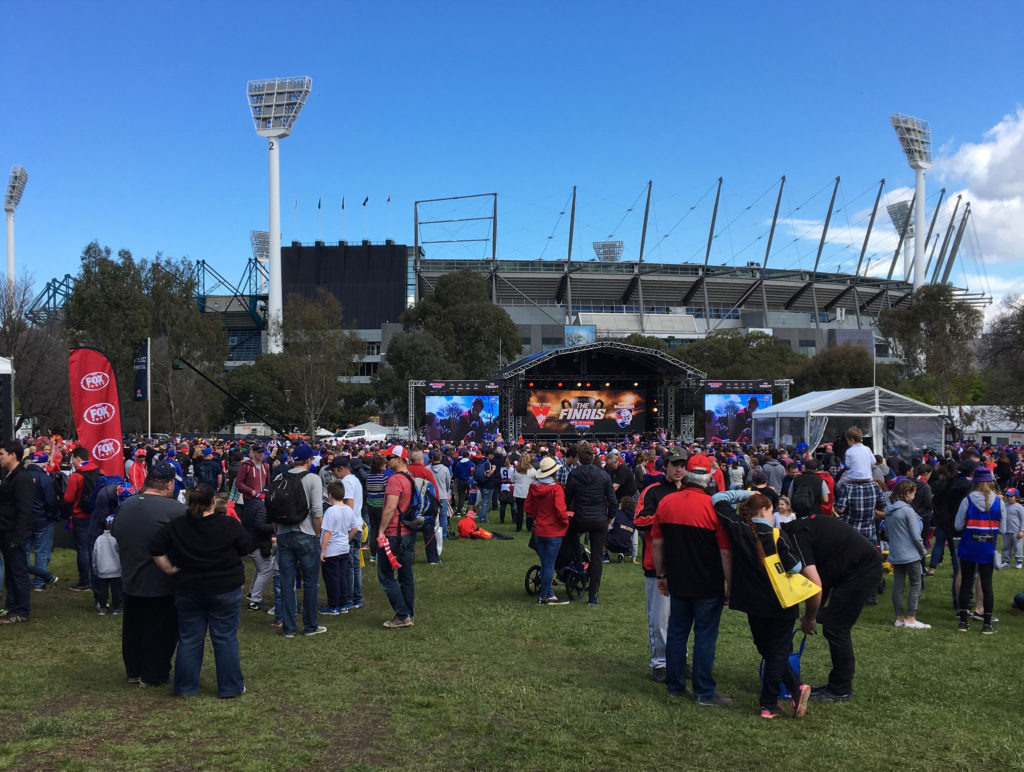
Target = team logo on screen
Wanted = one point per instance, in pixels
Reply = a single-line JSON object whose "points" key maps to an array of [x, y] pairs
{"points": [[540, 412], [624, 417]]}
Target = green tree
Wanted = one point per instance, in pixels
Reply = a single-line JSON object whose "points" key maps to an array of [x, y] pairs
{"points": [[475, 333], [318, 352], [413, 355], [732, 354], [933, 335], [118, 302], [841, 367]]}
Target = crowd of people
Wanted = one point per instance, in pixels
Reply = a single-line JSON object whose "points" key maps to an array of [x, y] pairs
{"points": [[164, 542]]}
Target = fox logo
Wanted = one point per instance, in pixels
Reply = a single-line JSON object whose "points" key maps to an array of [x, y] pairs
{"points": [[99, 413], [95, 381], [106, 449]]}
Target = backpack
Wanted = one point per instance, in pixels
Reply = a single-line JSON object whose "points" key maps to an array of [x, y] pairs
{"points": [[802, 496], [424, 505], [103, 481], [60, 485], [86, 499], [206, 472], [286, 500], [480, 473]]}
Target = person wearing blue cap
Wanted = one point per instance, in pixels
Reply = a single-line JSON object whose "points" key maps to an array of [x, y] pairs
{"points": [[106, 568], [1012, 528]]}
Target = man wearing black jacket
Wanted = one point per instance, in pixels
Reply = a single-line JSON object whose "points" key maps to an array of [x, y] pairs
{"points": [[590, 497], [17, 492]]}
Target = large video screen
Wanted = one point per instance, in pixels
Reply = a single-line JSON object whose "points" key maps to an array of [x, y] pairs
{"points": [[594, 411], [727, 416], [458, 417]]}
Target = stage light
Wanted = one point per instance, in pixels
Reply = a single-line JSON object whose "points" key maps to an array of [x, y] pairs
{"points": [[275, 104], [607, 384], [579, 384], [635, 384], [654, 410], [588, 384], [559, 384], [530, 384]]}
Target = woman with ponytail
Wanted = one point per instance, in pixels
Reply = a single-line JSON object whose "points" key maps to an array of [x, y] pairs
{"points": [[771, 625], [203, 552]]}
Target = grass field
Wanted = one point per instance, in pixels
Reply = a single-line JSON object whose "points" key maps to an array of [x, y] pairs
{"points": [[487, 679]]}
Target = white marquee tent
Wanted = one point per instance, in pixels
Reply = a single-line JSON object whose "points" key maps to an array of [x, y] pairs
{"points": [[888, 420]]}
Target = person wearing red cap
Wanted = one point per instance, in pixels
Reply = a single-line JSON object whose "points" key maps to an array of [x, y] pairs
{"points": [[136, 472], [693, 565], [397, 498]]}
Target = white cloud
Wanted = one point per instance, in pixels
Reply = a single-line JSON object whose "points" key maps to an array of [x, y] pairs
{"points": [[994, 168]]}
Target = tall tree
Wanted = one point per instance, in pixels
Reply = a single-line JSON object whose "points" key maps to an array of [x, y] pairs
{"points": [[841, 367], [733, 354], [933, 336], [317, 353], [413, 355], [475, 333]]}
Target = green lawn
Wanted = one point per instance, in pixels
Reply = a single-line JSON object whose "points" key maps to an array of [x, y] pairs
{"points": [[489, 680]]}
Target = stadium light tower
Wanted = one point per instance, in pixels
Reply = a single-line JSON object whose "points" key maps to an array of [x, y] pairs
{"points": [[916, 139], [899, 213], [15, 188], [275, 104], [260, 242]]}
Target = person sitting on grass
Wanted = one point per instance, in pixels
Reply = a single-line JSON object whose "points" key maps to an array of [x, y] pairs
{"points": [[906, 551]]}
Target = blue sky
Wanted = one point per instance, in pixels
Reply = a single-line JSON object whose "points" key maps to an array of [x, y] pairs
{"points": [[132, 122]]}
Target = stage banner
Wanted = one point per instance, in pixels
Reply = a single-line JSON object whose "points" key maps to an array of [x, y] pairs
{"points": [[595, 411], [140, 363], [95, 406]]}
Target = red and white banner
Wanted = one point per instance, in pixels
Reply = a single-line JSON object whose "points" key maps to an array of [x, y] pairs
{"points": [[97, 411]]}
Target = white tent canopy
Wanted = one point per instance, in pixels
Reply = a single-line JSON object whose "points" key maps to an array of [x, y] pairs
{"points": [[888, 420]]}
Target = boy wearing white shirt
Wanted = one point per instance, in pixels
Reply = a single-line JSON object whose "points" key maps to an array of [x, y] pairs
{"points": [[340, 525]]}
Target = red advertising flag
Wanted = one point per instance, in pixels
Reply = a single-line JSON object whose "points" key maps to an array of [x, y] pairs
{"points": [[96, 409]]}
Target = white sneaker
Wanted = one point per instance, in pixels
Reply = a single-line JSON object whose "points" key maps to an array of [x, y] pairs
{"points": [[320, 629], [917, 624], [899, 623]]}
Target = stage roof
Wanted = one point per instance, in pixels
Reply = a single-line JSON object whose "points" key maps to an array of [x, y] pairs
{"points": [[615, 355]]}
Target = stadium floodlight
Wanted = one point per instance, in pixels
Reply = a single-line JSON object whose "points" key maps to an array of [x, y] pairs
{"points": [[260, 242], [608, 251], [15, 188], [275, 104], [899, 213], [916, 140]]}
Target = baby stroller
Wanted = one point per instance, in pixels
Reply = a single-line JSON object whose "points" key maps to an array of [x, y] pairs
{"points": [[620, 535], [570, 569]]}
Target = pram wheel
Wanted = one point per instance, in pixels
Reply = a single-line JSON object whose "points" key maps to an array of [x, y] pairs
{"points": [[533, 581], [576, 584]]}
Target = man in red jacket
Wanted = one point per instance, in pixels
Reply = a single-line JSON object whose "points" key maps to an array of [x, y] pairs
{"points": [[250, 480], [80, 484]]}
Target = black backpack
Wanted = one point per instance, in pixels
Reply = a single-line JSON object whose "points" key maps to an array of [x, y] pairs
{"points": [[805, 495], [85, 497], [206, 471], [480, 473], [286, 500]]}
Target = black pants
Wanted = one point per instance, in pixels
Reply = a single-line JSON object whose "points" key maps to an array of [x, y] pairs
{"points": [[149, 635], [374, 516], [773, 638], [337, 573], [597, 530], [16, 576], [967, 569], [101, 588], [430, 543], [517, 516], [461, 494], [845, 602]]}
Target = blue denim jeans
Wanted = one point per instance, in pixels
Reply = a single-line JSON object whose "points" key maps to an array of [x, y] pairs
{"points": [[444, 518], [298, 553], [197, 612], [40, 544], [547, 551], [401, 593], [355, 580], [483, 504], [16, 579], [83, 549], [703, 616]]}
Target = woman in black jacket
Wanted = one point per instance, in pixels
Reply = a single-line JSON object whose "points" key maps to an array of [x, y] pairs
{"points": [[589, 495]]}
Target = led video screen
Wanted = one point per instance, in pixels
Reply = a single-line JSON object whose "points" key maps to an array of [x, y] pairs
{"points": [[458, 417], [593, 411], [727, 416]]}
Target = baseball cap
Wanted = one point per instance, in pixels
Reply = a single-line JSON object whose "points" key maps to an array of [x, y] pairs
{"points": [[340, 461], [161, 471], [140, 452], [674, 454], [302, 453], [698, 461], [1011, 492], [397, 451], [40, 458], [207, 451], [759, 478], [811, 463]]}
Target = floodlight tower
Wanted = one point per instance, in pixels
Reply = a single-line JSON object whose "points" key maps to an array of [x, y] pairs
{"points": [[260, 242], [916, 139], [275, 104], [15, 188], [899, 213]]}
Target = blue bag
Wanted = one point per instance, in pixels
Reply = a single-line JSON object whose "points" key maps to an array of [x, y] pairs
{"points": [[794, 662]]}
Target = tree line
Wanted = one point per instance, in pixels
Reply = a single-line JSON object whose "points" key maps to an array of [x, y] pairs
{"points": [[453, 332]]}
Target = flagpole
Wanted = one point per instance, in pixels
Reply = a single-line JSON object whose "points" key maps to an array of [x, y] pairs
{"points": [[319, 221], [389, 215], [343, 237], [366, 211], [149, 391], [296, 219]]}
